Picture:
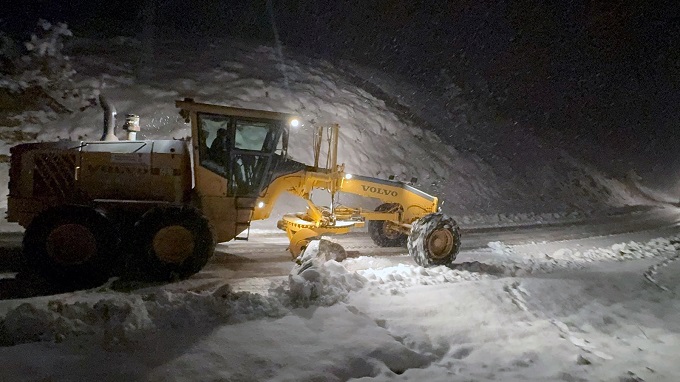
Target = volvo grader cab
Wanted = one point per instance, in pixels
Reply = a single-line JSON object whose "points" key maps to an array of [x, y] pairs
{"points": [[154, 209]]}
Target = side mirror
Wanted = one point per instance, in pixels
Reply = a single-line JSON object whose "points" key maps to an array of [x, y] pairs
{"points": [[186, 115]]}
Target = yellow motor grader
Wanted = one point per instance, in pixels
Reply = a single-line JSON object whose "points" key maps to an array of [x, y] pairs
{"points": [[156, 208]]}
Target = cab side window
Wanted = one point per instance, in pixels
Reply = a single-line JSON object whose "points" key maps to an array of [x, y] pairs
{"points": [[214, 142]]}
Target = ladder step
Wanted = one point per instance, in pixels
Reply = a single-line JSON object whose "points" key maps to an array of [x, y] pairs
{"points": [[241, 224], [244, 204]]}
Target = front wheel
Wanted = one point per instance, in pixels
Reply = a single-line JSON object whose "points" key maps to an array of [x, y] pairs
{"points": [[434, 240], [171, 243]]}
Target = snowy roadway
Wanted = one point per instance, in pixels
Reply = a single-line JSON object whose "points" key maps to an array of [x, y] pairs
{"points": [[572, 302], [252, 265], [248, 264]]}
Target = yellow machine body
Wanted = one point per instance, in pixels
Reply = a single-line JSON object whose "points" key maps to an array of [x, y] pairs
{"points": [[132, 174], [231, 187], [410, 203]]}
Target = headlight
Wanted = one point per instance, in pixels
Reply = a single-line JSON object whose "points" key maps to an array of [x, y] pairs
{"points": [[294, 122]]}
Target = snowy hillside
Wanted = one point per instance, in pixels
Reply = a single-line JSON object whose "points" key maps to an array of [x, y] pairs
{"points": [[487, 169]]}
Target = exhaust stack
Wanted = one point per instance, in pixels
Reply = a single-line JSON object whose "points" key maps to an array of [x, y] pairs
{"points": [[131, 126], [109, 120]]}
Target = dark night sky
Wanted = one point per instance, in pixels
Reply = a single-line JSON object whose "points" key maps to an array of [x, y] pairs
{"points": [[603, 72]]}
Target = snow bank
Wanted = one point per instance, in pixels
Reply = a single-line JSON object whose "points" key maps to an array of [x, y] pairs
{"points": [[121, 319], [403, 275], [518, 263]]}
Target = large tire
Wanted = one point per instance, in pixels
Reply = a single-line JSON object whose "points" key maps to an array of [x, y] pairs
{"points": [[71, 245], [381, 230], [171, 243], [434, 240]]}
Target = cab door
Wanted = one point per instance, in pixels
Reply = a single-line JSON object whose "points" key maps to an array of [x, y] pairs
{"points": [[238, 149], [251, 155]]}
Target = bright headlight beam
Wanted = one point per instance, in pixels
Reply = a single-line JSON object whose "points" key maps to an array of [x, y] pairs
{"points": [[294, 122], [348, 176], [260, 204]]}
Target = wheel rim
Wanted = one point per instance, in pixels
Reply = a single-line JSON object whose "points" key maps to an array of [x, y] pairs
{"points": [[173, 244], [389, 232], [71, 244], [440, 244]]}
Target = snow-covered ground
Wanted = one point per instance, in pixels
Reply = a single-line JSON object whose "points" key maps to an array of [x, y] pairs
{"points": [[599, 313], [602, 308]]}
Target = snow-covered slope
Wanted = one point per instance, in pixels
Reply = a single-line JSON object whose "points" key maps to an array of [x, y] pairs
{"points": [[491, 169]]}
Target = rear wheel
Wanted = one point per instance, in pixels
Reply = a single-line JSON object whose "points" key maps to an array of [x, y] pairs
{"points": [[171, 243], [434, 240], [71, 245], [383, 232]]}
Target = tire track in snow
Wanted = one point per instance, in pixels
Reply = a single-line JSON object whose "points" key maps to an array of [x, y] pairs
{"points": [[518, 296], [651, 272], [422, 352]]}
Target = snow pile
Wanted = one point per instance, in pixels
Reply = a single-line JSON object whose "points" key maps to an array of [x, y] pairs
{"points": [[518, 263], [113, 320], [123, 319], [221, 305], [500, 248], [319, 278], [403, 276], [622, 251]]}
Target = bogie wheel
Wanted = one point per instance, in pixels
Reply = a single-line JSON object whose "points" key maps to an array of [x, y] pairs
{"points": [[382, 231], [71, 245], [171, 243], [434, 240]]}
